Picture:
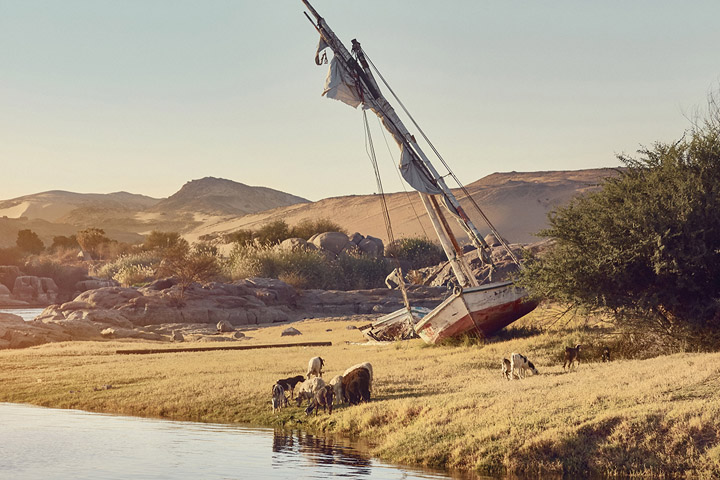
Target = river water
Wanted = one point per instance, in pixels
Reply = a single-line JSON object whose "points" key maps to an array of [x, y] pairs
{"points": [[43, 443], [26, 313]]}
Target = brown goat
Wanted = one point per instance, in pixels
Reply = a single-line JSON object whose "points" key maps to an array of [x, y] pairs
{"points": [[356, 386], [572, 355]]}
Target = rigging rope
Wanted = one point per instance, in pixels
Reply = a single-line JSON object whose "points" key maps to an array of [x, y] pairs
{"points": [[402, 183], [447, 167]]}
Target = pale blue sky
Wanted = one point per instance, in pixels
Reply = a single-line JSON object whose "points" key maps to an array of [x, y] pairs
{"points": [[144, 95]]}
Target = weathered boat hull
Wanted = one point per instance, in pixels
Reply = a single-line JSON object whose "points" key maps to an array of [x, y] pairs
{"points": [[481, 310]]}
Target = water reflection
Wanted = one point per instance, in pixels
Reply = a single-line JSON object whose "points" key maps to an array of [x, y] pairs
{"points": [[320, 452], [26, 313], [42, 443]]}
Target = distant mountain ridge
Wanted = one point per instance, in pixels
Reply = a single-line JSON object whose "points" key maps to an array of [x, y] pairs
{"points": [[218, 196], [516, 202]]}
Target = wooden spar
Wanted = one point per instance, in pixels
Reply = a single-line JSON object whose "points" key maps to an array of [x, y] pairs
{"points": [[212, 349], [444, 241], [455, 244]]}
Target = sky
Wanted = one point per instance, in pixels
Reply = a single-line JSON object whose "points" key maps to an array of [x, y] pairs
{"points": [[99, 96]]}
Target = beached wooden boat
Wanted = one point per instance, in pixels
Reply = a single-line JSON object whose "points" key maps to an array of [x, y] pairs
{"points": [[473, 308]]}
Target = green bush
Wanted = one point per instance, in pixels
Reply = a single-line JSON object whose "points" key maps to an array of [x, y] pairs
{"points": [[307, 228], [307, 269], [419, 252], [132, 275], [128, 263]]}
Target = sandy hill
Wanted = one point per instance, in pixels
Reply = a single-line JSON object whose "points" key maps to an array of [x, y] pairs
{"points": [[516, 203], [217, 196], [57, 205]]}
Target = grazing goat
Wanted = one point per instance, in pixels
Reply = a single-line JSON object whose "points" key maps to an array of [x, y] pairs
{"points": [[356, 386], [518, 364], [323, 398], [572, 355], [279, 399], [288, 384], [336, 383], [506, 368], [315, 367], [606, 354], [308, 389], [367, 366]]}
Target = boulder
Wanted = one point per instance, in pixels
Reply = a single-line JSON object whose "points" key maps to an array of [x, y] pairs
{"points": [[356, 238], [372, 246], [93, 283], [177, 336], [238, 335], [223, 326], [35, 290], [290, 331], [295, 244], [334, 242]]}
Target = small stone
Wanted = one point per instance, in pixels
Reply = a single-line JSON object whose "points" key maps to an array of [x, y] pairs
{"points": [[290, 331], [238, 335]]}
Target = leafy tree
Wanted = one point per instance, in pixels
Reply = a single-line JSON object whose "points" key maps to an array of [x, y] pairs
{"points": [[646, 247], [273, 232], [161, 240], [63, 242], [91, 240], [189, 264], [28, 241]]}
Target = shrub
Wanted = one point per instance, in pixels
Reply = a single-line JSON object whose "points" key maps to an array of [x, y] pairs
{"points": [[272, 233], [362, 271], [419, 252], [307, 228], [646, 247], [28, 241], [131, 275], [65, 276], [144, 261], [11, 256]]}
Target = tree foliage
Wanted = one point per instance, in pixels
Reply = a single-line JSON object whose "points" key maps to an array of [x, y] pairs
{"points": [[646, 246], [157, 240], [28, 241], [420, 252], [189, 264], [91, 240], [64, 242]]}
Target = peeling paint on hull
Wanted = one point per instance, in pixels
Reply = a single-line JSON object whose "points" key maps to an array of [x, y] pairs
{"points": [[483, 310]]}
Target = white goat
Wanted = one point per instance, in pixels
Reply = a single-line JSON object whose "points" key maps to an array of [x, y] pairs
{"points": [[519, 363], [367, 366], [336, 384], [308, 389], [315, 367]]}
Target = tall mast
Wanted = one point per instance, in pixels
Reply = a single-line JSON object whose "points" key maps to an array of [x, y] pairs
{"points": [[415, 165]]}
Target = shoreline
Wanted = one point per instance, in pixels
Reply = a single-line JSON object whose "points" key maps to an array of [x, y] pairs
{"points": [[444, 407]]}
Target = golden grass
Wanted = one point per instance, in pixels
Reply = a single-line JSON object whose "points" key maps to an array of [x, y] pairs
{"points": [[445, 407]]}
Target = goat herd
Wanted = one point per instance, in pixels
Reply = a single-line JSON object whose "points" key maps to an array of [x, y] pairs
{"points": [[518, 363], [353, 386]]}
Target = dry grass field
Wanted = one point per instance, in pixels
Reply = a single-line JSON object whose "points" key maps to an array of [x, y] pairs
{"points": [[442, 406]]}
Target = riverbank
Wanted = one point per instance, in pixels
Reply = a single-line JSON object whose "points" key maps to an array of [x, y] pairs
{"points": [[441, 407]]}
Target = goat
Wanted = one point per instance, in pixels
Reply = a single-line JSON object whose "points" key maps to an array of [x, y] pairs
{"points": [[336, 383], [288, 384], [367, 366], [506, 368], [323, 398], [356, 386], [606, 354], [308, 389], [518, 364], [279, 399], [315, 367], [572, 355]]}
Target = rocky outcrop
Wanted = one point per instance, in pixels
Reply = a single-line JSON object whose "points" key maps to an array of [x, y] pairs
{"points": [[35, 290]]}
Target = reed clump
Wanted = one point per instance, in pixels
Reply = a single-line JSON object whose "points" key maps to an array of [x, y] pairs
{"points": [[444, 406]]}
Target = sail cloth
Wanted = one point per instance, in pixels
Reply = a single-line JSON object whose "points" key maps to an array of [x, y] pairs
{"points": [[339, 84]]}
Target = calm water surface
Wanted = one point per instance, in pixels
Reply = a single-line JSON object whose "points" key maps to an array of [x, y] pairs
{"points": [[25, 313], [45, 443]]}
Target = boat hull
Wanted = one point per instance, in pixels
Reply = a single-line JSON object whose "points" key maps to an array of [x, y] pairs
{"points": [[480, 310]]}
